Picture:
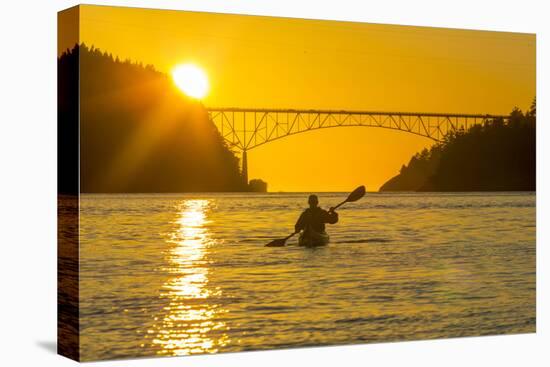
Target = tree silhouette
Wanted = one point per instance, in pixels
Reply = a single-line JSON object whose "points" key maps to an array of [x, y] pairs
{"points": [[137, 132], [495, 156]]}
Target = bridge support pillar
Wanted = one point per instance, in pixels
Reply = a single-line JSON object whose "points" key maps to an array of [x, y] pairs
{"points": [[244, 169]]}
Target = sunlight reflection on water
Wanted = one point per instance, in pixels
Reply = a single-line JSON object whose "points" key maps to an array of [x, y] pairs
{"points": [[187, 325]]}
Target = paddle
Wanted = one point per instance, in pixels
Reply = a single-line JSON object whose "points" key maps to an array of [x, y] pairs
{"points": [[355, 195], [280, 242]]}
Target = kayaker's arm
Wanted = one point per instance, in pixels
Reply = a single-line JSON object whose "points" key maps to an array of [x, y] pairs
{"points": [[300, 224], [331, 216]]}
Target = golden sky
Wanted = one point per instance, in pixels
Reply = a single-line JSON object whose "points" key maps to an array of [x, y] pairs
{"points": [[293, 63]]}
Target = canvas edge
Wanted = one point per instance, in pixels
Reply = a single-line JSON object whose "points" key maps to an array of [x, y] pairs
{"points": [[68, 193]]}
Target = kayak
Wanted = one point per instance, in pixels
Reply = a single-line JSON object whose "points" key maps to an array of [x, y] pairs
{"points": [[313, 239]]}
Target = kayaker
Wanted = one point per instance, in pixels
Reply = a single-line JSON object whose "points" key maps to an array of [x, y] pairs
{"points": [[311, 224], [314, 218]]}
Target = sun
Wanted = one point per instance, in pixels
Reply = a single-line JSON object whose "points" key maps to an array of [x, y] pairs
{"points": [[191, 79]]}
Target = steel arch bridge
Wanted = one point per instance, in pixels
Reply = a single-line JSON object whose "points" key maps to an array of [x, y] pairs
{"points": [[248, 128]]}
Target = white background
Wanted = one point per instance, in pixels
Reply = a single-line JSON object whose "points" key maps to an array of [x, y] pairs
{"points": [[28, 182]]}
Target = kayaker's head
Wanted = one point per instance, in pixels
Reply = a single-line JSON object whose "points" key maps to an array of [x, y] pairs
{"points": [[313, 201]]}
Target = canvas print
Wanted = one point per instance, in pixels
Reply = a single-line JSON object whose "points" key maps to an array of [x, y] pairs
{"points": [[231, 183]]}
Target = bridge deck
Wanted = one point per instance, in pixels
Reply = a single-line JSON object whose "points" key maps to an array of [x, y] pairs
{"points": [[353, 112]]}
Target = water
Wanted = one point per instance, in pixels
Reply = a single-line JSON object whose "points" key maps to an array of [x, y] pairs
{"points": [[187, 273]]}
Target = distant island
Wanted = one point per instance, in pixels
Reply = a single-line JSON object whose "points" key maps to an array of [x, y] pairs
{"points": [[138, 133], [495, 156], [257, 185]]}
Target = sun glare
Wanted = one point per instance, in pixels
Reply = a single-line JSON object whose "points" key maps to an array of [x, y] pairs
{"points": [[191, 79]]}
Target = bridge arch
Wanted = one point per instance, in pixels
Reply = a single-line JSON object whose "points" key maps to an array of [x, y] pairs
{"points": [[330, 127]]}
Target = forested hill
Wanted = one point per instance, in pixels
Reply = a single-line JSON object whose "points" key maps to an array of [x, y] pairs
{"points": [[138, 133], [496, 156]]}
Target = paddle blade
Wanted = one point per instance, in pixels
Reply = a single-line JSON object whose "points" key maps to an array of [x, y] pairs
{"points": [[280, 242], [356, 194]]}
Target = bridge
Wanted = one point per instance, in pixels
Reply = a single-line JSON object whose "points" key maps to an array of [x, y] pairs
{"points": [[248, 128]]}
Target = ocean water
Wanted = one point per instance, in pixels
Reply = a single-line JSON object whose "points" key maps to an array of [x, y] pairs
{"points": [[179, 274]]}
